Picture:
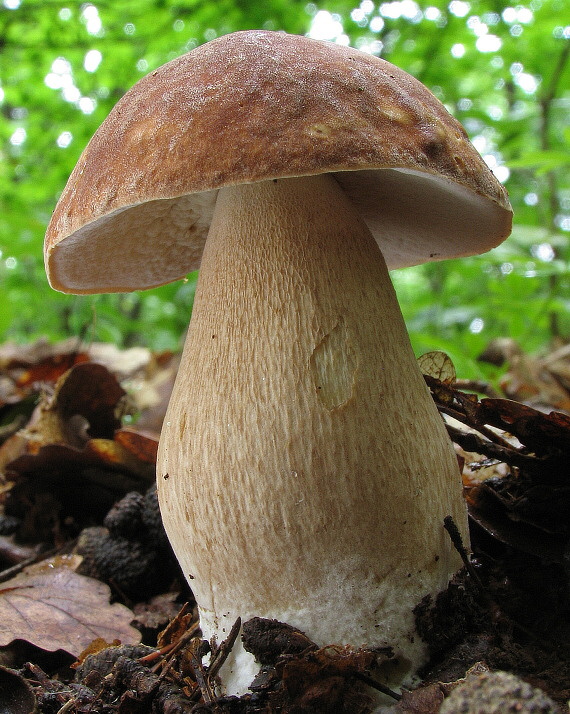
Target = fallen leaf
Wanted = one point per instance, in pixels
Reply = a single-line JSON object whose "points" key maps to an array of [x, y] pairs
{"points": [[50, 369], [16, 355], [540, 432], [437, 365], [521, 537], [439, 373], [323, 680], [151, 394], [83, 405], [97, 645], [177, 627], [114, 454], [143, 446], [83, 486], [424, 700], [61, 610], [71, 561], [157, 612], [123, 363]]}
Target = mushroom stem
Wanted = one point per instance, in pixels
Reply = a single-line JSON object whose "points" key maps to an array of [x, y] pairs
{"points": [[304, 472]]}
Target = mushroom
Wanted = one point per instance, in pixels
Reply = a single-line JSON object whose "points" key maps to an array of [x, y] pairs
{"points": [[304, 472]]}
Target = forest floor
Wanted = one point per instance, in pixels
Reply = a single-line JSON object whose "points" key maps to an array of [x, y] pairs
{"points": [[94, 616]]}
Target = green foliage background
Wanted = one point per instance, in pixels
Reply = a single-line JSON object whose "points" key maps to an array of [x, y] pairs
{"points": [[503, 70]]}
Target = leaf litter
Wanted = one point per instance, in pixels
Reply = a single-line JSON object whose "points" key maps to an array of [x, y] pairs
{"points": [[72, 610], [78, 436]]}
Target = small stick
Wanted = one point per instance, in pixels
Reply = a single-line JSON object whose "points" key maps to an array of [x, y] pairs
{"points": [[174, 649], [202, 680], [508, 455], [455, 536], [69, 704], [380, 687], [224, 649], [476, 385]]}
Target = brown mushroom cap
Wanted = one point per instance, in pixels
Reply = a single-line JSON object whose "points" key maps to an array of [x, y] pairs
{"points": [[253, 106]]}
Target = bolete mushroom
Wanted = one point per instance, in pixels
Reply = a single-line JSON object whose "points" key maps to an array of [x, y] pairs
{"points": [[304, 472]]}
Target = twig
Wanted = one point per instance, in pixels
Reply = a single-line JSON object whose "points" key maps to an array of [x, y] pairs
{"points": [[67, 706], [506, 454], [481, 428], [174, 649], [224, 649], [202, 680], [477, 385], [455, 536], [380, 687], [461, 407]]}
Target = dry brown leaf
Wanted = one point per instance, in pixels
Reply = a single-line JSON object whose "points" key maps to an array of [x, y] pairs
{"points": [[177, 627], [50, 369], [14, 355], [62, 462], [91, 391], [157, 612], [98, 645], [82, 406], [538, 431], [79, 423], [143, 446], [152, 394], [439, 373], [323, 680], [61, 610], [437, 365], [424, 700], [116, 455], [71, 561]]}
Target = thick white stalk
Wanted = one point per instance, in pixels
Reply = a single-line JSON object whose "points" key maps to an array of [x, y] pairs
{"points": [[304, 472]]}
